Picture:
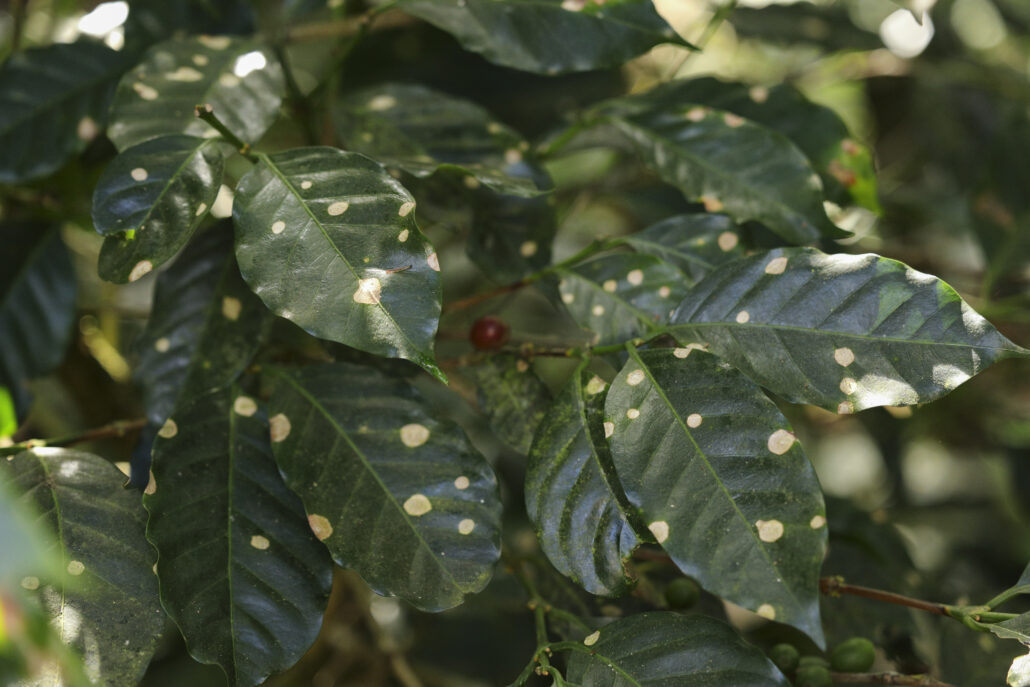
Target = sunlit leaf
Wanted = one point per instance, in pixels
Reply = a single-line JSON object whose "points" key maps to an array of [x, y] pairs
{"points": [[396, 495], [845, 332], [572, 493], [721, 481], [328, 240], [241, 573]]}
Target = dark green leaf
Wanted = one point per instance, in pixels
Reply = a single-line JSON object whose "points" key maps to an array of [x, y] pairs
{"points": [[727, 162], [204, 327], [510, 237], [512, 396], [723, 484], [421, 131], [239, 78], [107, 607], [53, 101], [28, 548], [549, 36], [150, 200], [1017, 628], [696, 244], [845, 166], [662, 649], [37, 304], [845, 332], [328, 240], [396, 495], [573, 495], [241, 574], [801, 23], [621, 296]]}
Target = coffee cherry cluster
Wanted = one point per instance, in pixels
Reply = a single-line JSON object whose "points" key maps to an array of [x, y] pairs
{"points": [[855, 655]]}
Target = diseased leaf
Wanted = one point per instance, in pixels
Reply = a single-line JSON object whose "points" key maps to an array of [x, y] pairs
{"points": [[328, 240], [53, 102], [512, 396], [107, 607], [422, 130], [510, 237], [661, 648], [549, 36], [572, 493], [241, 573], [695, 244], [37, 305], [621, 296], [239, 78], [725, 161], [397, 496], [845, 332], [150, 200], [721, 481]]}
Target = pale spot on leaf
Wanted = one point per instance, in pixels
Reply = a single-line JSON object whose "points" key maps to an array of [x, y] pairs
{"points": [[591, 639], [696, 114], [405, 209], [319, 524], [229, 80], [694, 420], [338, 208], [278, 227], [466, 526], [259, 542], [403, 236], [512, 156], [414, 435], [368, 291], [844, 356], [151, 487], [87, 129], [732, 120], [664, 292], [201, 209], [215, 42], [766, 611], [769, 530], [573, 6], [305, 185], [433, 260], [609, 429], [199, 60], [845, 408], [279, 428], [144, 91], [31, 583], [681, 352], [231, 307], [610, 285], [713, 204], [660, 530], [568, 298], [635, 377], [635, 277], [245, 406], [743, 317], [75, 568], [462, 483], [727, 241], [758, 94], [521, 365], [382, 102], [595, 386], [139, 174], [168, 430], [848, 385], [417, 505], [162, 345], [597, 310], [528, 249], [817, 522], [780, 441], [184, 74], [776, 265], [632, 413]]}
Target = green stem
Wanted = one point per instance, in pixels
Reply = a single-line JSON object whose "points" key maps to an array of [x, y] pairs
{"points": [[1008, 594], [300, 104], [110, 431], [207, 113]]}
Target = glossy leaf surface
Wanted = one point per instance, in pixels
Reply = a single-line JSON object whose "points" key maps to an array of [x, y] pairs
{"points": [[721, 481], [53, 102], [513, 398], [621, 296], [399, 497], [241, 573], [107, 607], [727, 162], [696, 244], [150, 200], [549, 36], [328, 240], [422, 130], [37, 304], [845, 332], [510, 237], [663, 649], [239, 78], [572, 493]]}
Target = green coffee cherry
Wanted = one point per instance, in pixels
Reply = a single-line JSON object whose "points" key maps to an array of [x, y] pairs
{"points": [[682, 593], [785, 657], [855, 655], [813, 661], [813, 676]]}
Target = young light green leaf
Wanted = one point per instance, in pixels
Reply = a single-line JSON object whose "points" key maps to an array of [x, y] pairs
{"points": [[328, 240], [727, 162], [512, 396], [1017, 628], [721, 481], [53, 102], [37, 304], [572, 493], [107, 605], [386, 467], [241, 573], [845, 332], [549, 36], [149, 201], [695, 244], [661, 648], [240, 79], [621, 296], [422, 130]]}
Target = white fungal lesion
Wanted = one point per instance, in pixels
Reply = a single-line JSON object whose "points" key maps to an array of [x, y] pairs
{"points": [[776, 265], [405, 209], [168, 430], [245, 406], [817, 522], [279, 428], [462, 483], [844, 356], [528, 249], [231, 308], [727, 240], [338, 208], [139, 174], [368, 292], [417, 505], [466, 526], [743, 317], [660, 530], [780, 441], [694, 420], [260, 543], [139, 269], [766, 611], [635, 377], [414, 435], [769, 531], [633, 413], [635, 277]]}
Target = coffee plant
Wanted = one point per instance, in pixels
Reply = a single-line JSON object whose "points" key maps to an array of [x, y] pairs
{"points": [[320, 319]]}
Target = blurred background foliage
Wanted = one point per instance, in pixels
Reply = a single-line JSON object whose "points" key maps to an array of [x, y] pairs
{"points": [[932, 502]]}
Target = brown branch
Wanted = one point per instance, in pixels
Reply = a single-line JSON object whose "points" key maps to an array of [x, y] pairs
{"points": [[835, 586], [480, 297], [111, 431], [889, 679], [345, 28]]}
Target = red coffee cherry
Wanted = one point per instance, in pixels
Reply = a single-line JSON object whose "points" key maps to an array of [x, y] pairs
{"points": [[489, 332]]}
